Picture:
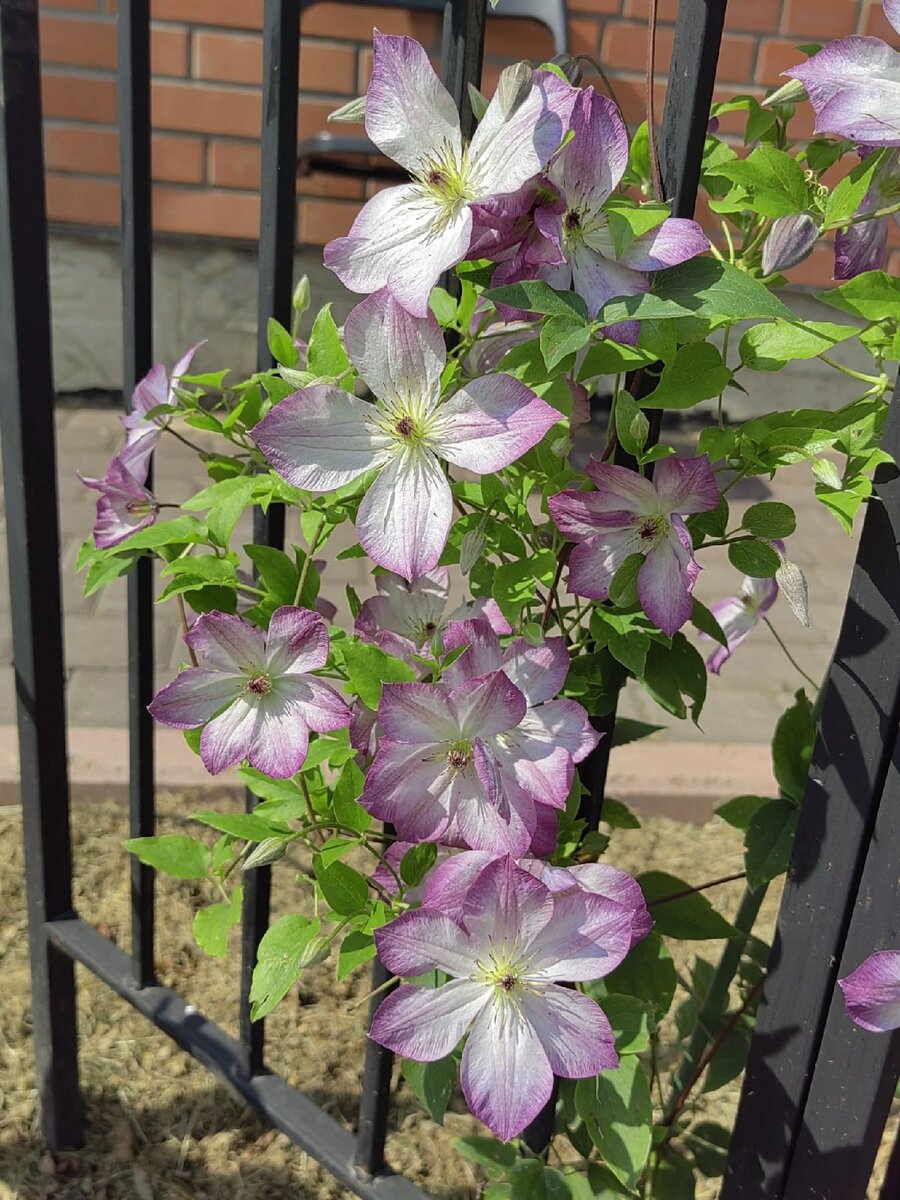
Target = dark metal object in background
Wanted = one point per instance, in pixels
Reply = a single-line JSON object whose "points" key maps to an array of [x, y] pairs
{"points": [[133, 87], [792, 1141]]}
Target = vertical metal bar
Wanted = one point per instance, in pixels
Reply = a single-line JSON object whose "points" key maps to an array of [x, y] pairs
{"points": [[849, 767], [32, 530], [374, 1105], [278, 220], [462, 54], [855, 1073], [133, 84]]}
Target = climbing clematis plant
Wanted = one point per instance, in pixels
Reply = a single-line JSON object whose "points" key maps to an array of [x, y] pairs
{"points": [[514, 450]]}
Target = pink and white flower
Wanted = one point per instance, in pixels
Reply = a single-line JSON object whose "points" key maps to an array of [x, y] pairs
{"points": [[124, 505], [254, 694], [155, 390], [739, 615], [406, 236], [863, 245], [322, 438], [515, 943], [628, 514], [569, 243], [404, 618], [872, 992]]}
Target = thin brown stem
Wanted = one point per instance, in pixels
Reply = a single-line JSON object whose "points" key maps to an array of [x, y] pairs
{"points": [[185, 629], [658, 193], [701, 887], [551, 595]]}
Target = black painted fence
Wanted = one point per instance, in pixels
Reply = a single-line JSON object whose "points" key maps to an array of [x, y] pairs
{"points": [[817, 1090]]}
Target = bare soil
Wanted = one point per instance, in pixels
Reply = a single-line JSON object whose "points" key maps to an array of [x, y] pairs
{"points": [[158, 1125]]}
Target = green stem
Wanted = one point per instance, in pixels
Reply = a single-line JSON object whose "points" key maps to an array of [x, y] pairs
{"points": [[874, 379], [725, 340], [787, 654], [858, 220], [304, 571]]}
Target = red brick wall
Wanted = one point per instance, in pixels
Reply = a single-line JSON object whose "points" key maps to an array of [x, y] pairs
{"points": [[207, 64]]}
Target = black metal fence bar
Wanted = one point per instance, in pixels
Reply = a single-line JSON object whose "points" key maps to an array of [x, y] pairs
{"points": [[277, 228], [849, 768], [29, 469], [133, 84], [856, 1072]]}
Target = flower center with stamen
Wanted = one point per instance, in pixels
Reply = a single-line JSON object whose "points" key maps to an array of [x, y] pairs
{"points": [[572, 220], [259, 685], [444, 178], [651, 530], [508, 982], [459, 756]]}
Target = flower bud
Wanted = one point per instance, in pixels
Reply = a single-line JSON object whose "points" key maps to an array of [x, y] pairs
{"points": [[315, 952], [792, 583], [351, 113], [301, 298], [561, 446], [789, 93], [268, 851], [790, 241], [471, 549], [514, 87], [570, 67]]}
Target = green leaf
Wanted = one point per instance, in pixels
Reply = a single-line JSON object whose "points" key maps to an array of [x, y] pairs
{"points": [[618, 815], [773, 178], [496, 1157], [277, 571], [515, 583], [561, 336], [180, 532], [648, 973], [345, 798], [769, 840], [697, 373], [672, 674], [632, 427], [617, 1111], [739, 811], [708, 1145], [673, 1178], [369, 667], [701, 287], [281, 344], [443, 305], [767, 347], [175, 853], [534, 295], [357, 948], [432, 1083], [847, 196], [730, 1059], [691, 918], [247, 826], [873, 295], [326, 355], [769, 519], [344, 889], [792, 747], [105, 570], [531, 1180], [623, 587], [632, 1022], [627, 730], [278, 961], [213, 924], [704, 620], [417, 862], [753, 558]]}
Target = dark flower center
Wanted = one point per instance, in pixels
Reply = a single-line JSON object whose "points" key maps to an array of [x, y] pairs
{"points": [[436, 177], [459, 756], [259, 685], [648, 531], [508, 982], [404, 427], [572, 220]]}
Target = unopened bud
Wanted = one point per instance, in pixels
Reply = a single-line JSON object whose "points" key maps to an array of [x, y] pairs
{"points": [[297, 379], [301, 298], [268, 851], [351, 113], [789, 93], [789, 242], [514, 87], [570, 67], [471, 549], [533, 634], [792, 583], [315, 952], [561, 446]]}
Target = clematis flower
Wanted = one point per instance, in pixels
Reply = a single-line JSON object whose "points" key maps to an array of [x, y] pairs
{"points": [[446, 886], [578, 250], [434, 776], [124, 505], [790, 241], [322, 437], [157, 388], [406, 236], [254, 694], [863, 246], [506, 957], [854, 86], [405, 617], [535, 760], [872, 992], [739, 615], [627, 514]]}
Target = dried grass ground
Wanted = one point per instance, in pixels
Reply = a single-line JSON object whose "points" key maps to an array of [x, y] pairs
{"points": [[158, 1126]]}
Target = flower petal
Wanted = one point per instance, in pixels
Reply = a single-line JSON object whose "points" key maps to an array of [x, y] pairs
{"points": [[573, 1031], [620, 488], [425, 1024], [849, 63], [616, 885], [410, 115], [422, 940], [892, 12], [861, 247], [664, 585], [594, 562], [410, 786], [505, 1075], [507, 828], [228, 642], [228, 738], [483, 656], [321, 438], [281, 742], [508, 148], [487, 705], [402, 240], [539, 672], [686, 485], [598, 279], [672, 242], [194, 696], [406, 514], [507, 907], [868, 114], [314, 702], [581, 515], [872, 992], [400, 357], [297, 641], [593, 162], [417, 713], [490, 423], [587, 938], [448, 883]]}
